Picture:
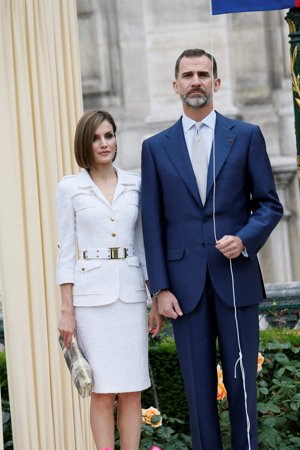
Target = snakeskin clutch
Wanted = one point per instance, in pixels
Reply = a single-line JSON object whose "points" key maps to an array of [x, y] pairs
{"points": [[80, 369]]}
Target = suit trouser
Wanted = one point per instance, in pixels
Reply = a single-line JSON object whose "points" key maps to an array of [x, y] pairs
{"points": [[195, 336]]}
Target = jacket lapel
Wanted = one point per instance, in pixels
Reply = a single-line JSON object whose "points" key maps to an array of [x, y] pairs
{"points": [[178, 153], [224, 139], [85, 182]]}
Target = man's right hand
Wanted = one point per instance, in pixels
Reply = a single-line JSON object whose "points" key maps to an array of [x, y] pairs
{"points": [[168, 305]]}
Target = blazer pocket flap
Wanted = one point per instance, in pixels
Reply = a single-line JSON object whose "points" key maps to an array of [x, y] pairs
{"points": [[87, 265], [132, 195], [133, 261], [174, 254]]}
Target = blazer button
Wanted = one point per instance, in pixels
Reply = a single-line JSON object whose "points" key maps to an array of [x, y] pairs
{"points": [[83, 269], [112, 219], [113, 234]]}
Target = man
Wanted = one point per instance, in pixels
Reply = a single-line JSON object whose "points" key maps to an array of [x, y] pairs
{"points": [[202, 232]]}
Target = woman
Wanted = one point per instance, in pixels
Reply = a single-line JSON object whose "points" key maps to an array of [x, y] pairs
{"points": [[103, 291]]}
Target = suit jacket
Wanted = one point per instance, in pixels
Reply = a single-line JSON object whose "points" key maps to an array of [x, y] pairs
{"points": [[87, 220], [179, 230]]}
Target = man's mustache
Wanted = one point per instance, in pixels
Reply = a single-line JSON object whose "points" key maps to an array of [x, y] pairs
{"points": [[196, 91]]}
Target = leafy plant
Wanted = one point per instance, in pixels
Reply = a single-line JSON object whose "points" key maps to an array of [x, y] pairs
{"points": [[279, 397], [6, 422], [158, 430]]}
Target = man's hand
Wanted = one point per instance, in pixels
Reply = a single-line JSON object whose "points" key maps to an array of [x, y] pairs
{"points": [[156, 321], [230, 246], [168, 305]]}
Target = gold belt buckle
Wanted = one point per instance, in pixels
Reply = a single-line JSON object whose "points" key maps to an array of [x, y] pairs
{"points": [[114, 252]]}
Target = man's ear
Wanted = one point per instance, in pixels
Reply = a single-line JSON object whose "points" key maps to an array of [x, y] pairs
{"points": [[217, 84], [175, 86]]}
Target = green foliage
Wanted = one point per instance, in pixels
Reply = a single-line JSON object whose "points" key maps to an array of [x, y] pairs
{"points": [[279, 396], [278, 389], [280, 335], [6, 422], [165, 436], [168, 380]]}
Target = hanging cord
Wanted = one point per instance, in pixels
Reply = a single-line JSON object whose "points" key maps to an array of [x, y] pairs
{"points": [[240, 358]]}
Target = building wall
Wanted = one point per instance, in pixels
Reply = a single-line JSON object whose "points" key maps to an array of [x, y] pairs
{"points": [[128, 51]]}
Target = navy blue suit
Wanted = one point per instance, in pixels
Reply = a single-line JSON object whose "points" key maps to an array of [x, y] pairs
{"points": [[181, 256]]}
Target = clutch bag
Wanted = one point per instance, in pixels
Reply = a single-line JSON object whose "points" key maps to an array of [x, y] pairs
{"points": [[80, 369]]}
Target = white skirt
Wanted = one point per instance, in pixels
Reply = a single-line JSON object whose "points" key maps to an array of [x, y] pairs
{"points": [[114, 340]]}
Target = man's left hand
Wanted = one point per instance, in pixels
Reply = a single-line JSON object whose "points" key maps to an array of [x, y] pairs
{"points": [[230, 246]]}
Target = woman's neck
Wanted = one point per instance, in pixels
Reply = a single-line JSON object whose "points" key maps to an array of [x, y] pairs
{"points": [[104, 172]]}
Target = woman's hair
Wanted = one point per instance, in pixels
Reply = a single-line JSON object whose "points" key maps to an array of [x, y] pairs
{"points": [[84, 135]]}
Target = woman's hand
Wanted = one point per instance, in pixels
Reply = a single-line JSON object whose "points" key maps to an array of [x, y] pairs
{"points": [[67, 324], [156, 320], [66, 327]]}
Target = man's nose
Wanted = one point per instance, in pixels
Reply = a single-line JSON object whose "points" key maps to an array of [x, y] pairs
{"points": [[196, 81]]}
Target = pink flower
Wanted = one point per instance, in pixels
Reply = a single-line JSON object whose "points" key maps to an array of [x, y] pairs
{"points": [[155, 448]]}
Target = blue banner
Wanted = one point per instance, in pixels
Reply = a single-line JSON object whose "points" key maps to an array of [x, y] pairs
{"points": [[234, 6]]}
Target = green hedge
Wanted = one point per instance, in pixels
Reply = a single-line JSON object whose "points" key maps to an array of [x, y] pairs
{"points": [[278, 388]]}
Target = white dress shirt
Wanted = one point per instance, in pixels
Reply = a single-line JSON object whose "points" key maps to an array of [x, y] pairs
{"points": [[207, 131]]}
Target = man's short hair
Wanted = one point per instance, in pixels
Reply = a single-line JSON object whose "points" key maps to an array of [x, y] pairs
{"points": [[192, 53]]}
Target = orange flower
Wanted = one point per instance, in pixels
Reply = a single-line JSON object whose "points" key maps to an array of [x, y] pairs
{"points": [[222, 393], [151, 416], [260, 361]]}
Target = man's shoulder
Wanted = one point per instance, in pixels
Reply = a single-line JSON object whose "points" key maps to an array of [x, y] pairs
{"points": [[235, 122]]}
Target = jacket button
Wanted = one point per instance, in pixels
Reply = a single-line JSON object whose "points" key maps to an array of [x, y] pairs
{"points": [[113, 234], [112, 219], [83, 269]]}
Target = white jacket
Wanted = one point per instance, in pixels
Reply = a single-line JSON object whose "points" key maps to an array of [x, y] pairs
{"points": [[87, 220]]}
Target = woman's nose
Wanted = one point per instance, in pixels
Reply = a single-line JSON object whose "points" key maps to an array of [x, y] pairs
{"points": [[103, 142]]}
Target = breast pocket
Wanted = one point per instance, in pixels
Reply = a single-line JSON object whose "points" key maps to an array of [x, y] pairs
{"points": [[132, 196], [88, 278], [84, 200]]}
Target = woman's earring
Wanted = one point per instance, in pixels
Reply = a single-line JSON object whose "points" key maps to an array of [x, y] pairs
{"points": [[115, 155]]}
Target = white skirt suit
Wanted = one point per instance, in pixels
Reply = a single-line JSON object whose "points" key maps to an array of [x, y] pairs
{"points": [[109, 295]]}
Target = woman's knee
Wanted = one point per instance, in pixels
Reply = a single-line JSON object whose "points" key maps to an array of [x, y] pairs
{"points": [[130, 397], [103, 401]]}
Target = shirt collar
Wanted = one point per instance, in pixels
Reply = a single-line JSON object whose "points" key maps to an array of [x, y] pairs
{"points": [[209, 121], [124, 178]]}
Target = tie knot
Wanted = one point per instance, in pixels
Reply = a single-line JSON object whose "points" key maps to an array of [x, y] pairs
{"points": [[198, 126]]}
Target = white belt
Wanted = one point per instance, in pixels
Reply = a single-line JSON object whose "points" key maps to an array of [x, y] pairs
{"points": [[106, 253]]}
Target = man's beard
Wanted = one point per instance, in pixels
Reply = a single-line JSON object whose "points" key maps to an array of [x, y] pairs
{"points": [[195, 102]]}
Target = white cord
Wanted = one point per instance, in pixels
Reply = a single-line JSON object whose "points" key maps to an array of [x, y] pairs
{"points": [[240, 358]]}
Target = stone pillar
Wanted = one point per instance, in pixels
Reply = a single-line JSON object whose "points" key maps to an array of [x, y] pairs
{"points": [[171, 27], [280, 257], [293, 19]]}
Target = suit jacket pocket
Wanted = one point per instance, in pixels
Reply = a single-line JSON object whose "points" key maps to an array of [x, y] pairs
{"points": [[175, 254], [88, 277], [84, 200], [135, 274]]}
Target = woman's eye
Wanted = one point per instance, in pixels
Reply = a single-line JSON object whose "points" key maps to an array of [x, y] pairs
{"points": [[109, 135]]}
